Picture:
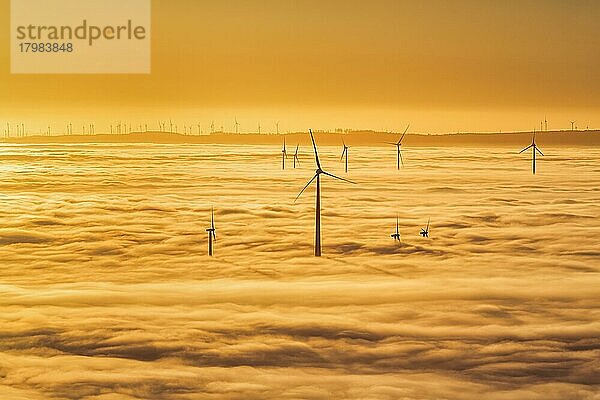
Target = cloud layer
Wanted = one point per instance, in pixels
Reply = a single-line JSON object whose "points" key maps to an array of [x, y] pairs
{"points": [[106, 291]]}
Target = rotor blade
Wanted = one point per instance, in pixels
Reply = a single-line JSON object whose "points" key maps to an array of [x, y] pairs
{"points": [[212, 218], [539, 151], [307, 185], [428, 221], [298, 145], [406, 130], [401, 159], [343, 152], [526, 148], [315, 147], [337, 177], [395, 144]]}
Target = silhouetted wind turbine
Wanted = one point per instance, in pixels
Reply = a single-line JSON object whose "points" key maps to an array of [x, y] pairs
{"points": [[535, 149], [398, 144], [283, 155], [296, 159], [345, 153], [396, 236], [237, 125], [572, 129], [277, 126], [317, 176], [425, 231], [212, 235]]}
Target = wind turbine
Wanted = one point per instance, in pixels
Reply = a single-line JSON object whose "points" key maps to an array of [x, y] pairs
{"points": [[296, 159], [396, 236], [283, 155], [237, 125], [425, 231], [398, 144], [277, 126], [212, 234], [317, 176], [535, 149], [572, 122], [345, 153]]}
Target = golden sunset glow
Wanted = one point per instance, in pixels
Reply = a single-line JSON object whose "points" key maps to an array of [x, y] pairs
{"points": [[304, 200], [445, 66]]}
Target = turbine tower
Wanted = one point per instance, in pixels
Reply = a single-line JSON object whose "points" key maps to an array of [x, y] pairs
{"points": [[398, 145], [345, 153], [317, 176], [396, 236], [425, 231], [212, 235], [283, 155], [296, 159], [535, 149]]}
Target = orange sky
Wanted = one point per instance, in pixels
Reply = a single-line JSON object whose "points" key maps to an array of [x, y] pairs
{"points": [[443, 66]]}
